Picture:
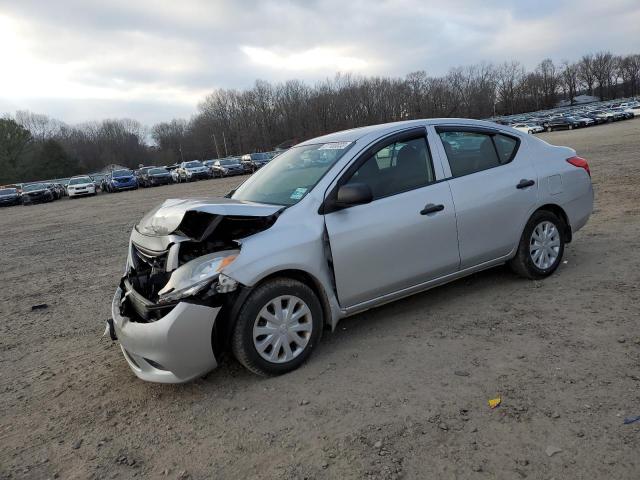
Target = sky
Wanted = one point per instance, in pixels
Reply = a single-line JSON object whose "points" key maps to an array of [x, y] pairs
{"points": [[154, 60]]}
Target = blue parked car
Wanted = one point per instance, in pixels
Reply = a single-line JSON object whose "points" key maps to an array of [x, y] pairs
{"points": [[119, 180]]}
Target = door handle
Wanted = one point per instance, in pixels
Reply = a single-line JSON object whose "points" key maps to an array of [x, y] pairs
{"points": [[431, 208], [525, 183]]}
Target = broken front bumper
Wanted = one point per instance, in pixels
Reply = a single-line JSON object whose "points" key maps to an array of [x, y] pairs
{"points": [[174, 349]]}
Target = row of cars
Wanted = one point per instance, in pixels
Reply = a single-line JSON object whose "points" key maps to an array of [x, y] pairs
{"points": [[43, 192], [577, 116], [119, 180]]}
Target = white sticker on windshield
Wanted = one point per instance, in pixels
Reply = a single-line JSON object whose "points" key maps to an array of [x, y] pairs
{"points": [[298, 193], [334, 146]]}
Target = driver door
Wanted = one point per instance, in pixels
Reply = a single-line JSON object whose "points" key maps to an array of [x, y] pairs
{"points": [[407, 234]]}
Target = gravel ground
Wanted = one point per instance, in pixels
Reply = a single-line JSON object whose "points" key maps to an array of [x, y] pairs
{"points": [[397, 392]]}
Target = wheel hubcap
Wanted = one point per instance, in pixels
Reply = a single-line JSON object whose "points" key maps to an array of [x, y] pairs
{"points": [[544, 246], [282, 329]]}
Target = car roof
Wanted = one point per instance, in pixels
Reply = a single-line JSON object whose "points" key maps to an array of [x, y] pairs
{"points": [[355, 134]]}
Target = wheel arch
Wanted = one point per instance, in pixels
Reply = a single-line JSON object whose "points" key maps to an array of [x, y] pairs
{"points": [[560, 213], [310, 281], [221, 334]]}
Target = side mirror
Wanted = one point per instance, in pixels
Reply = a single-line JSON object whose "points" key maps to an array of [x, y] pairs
{"points": [[352, 194]]}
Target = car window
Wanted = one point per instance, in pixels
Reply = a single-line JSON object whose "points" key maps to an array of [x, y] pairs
{"points": [[396, 168], [470, 152], [506, 147]]}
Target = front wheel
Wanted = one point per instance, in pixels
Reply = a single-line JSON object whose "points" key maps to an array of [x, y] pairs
{"points": [[541, 246], [278, 327]]}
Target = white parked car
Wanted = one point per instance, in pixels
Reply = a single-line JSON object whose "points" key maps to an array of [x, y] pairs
{"points": [[528, 128], [81, 186], [193, 170]]}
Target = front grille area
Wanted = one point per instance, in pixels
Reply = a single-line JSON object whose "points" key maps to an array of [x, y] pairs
{"points": [[148, 274]]}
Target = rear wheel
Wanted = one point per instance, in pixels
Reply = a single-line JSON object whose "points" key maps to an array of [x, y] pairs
{"points": [[541, 246], [278, 327]]}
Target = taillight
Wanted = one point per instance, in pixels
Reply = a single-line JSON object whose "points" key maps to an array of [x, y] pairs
{"points": [[580, 163]]}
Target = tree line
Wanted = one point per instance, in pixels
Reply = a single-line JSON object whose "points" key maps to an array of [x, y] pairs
{"points": [[233, 122]]}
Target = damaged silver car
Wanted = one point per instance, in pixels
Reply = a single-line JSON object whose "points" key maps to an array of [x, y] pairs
{"points": [[332, 227]]}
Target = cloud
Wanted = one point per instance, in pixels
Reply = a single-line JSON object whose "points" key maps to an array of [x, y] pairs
{"points": [[315, 59], [80, 59]]}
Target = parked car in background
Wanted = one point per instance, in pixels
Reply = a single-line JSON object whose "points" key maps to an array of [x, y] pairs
{"points": [[302, 244], [227, 167], [142, 175], [193, 170], [579, 122], [9, 197], [53, 188], [254, 161], [158, 176], [528, 128], [560, 123], [80, 186], [606, 116], [120, 180], [36, 193]]}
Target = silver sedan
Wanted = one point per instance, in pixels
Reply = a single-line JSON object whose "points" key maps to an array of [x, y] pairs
{"points": [[334, 226]]}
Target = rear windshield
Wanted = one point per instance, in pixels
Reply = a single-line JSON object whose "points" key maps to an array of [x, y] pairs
{"points": [[155, 171], [193, 164], [121, 173]]}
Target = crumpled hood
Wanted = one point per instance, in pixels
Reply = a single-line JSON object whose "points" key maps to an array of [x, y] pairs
{"points": [[165, 218]]}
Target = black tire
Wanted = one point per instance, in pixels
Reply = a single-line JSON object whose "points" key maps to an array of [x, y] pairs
{"points": [[242, 344], [522, 264]]}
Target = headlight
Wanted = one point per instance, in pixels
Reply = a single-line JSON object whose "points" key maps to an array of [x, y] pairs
{"points": [[194, 276]]}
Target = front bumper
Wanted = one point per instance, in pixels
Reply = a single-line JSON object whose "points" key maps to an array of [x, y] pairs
{"points": [[123, 186], [79, 193], [174, 349], [198, 175]]}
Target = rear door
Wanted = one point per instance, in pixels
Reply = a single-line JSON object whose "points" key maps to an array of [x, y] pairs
{"points": [[406, 235], [494, 188]]}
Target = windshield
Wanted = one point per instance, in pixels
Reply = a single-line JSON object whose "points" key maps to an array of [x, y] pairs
{"points": [[121, 173], [194, 164], [8, 191], [33, 187], [156, 171], [289, 177], [80, 181], [229, 162]]}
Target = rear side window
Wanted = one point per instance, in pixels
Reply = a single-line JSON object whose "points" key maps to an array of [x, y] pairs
{"points": [[506, 147], [470, 152]]}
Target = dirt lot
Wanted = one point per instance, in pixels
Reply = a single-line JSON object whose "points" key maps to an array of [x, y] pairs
{"points": [[397, 392]]}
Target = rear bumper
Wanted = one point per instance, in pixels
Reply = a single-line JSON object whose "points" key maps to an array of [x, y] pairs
{"points": [[579, 209], [174, 349]]}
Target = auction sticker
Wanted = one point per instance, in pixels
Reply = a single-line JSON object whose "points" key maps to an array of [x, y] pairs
{"points": [[298, 193], [334, 146]]}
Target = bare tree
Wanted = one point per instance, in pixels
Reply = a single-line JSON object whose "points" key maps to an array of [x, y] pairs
{"points": [[585, 72], [603, 66], [569, 75]]}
